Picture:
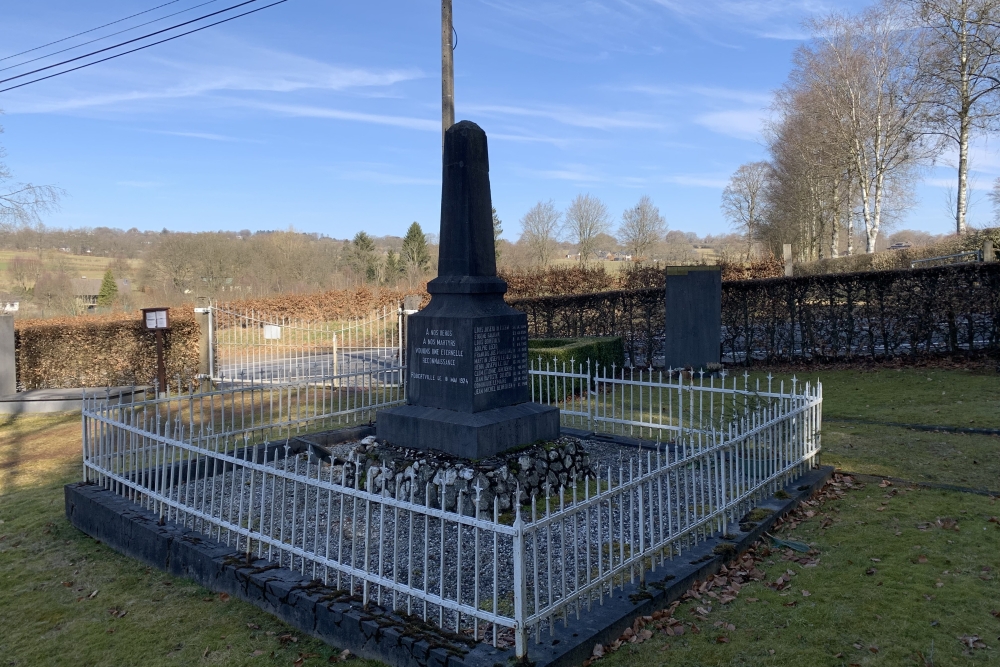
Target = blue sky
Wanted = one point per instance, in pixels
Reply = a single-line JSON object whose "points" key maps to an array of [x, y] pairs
{"points": [[325, 115]]}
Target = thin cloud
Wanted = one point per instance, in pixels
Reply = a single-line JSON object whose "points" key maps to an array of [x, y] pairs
{"points": [[208, 136], [572, 117], [697, 181], [376, 176], [952, 184], [303, 111], [256, 71], [741, 124]]}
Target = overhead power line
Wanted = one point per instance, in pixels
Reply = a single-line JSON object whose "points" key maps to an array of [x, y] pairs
{"points": [[97, 39], [13, 55], [139, 48], [130, 41]]}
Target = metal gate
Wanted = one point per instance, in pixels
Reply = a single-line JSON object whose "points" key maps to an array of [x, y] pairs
{"points": [[250, 347]]}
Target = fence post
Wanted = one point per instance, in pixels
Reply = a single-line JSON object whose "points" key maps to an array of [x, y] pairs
{"points": [[8, 362], [590, 402], [787, 252], [989, 254], [520, 589], [203, 316]]}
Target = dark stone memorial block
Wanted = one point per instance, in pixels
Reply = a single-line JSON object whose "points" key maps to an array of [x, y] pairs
{"points": [[693, 317], [467, 351]]}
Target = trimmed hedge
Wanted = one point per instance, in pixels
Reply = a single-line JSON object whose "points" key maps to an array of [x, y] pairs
{"points": [[602, 352], [867, 316], [99, 351]]}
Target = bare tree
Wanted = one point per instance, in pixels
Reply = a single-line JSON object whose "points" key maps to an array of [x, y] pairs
{"points": [[586, 217], [642, 226], [744, 198], [961, 63], [861, 68], [23, 203], [538, 231]]}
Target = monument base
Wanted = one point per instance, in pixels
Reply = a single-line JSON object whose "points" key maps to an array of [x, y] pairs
{"points": [[471, 435]]}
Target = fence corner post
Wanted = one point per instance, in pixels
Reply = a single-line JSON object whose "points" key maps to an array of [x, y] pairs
{"points": [[989, 254], [202, 315], [8, 360], [520, 589]]}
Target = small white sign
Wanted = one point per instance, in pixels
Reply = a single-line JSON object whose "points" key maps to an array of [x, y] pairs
{"points": [[272, 332], [161, 319], [151, 319]]}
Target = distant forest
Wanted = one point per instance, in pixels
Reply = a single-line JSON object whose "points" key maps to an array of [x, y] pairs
{"points": [[41, 266]]}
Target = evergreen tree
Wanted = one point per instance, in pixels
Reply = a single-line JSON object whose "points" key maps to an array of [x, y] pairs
{"points": [[363, 258], [415, 255], [497, 231], [394, 268], [109, 290]]}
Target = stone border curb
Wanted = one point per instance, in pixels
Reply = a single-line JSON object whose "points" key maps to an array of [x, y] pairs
{"points": [[379, 634], [304, 604]]}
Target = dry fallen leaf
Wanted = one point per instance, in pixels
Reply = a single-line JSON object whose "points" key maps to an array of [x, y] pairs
{"points": [[224, 597], [257, 653], [805, 593], [253, 626], [921, 558], [93, 595]]}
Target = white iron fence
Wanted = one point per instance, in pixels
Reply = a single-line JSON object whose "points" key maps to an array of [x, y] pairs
{"points": [[253, 347], [233, 464]]}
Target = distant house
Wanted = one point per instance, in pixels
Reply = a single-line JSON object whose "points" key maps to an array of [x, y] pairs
{"points": [[86, 290], [10, 306]]}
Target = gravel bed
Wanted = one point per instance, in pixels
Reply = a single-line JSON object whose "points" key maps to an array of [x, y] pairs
{"points": [[424, 551]]}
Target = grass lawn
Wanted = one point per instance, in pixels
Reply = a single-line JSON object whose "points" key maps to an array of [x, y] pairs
{"points": [[68, 600], [930, 587], [934, 397], [891, 588]]}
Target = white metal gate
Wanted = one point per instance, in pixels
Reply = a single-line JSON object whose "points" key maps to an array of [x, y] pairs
{"points": [[250, 347]]}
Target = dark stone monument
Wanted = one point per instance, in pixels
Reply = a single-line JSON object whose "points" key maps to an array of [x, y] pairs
{"points": [[467, 351], [693, 317]]}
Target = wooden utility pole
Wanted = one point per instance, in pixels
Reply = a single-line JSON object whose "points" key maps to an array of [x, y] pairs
{"points": [[447, 71]]}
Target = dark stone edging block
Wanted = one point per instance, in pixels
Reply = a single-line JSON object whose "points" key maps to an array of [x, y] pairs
{"points": [[574, 644], [302, 603], [376, 633]]}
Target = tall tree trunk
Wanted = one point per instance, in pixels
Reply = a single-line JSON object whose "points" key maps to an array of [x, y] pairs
{"points": [[961, 203], [835, 219]]}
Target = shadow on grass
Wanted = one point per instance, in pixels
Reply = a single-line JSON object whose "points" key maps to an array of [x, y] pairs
{"points": [[37, 449]]}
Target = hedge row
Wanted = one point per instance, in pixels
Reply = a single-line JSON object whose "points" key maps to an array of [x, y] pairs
{"points": [[836, 317], [97, 351]]}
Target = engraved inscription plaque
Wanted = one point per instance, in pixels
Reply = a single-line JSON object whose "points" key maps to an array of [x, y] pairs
{"points": [[500, 357]]}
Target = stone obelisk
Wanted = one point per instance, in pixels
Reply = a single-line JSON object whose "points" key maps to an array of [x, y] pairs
{"points": [[467, 351]]}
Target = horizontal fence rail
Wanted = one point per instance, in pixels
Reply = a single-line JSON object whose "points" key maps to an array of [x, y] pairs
{"points": [[235, 464]]}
